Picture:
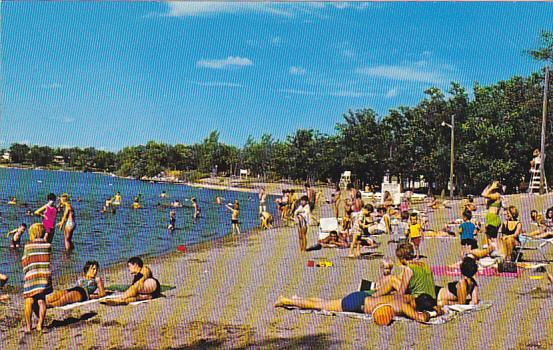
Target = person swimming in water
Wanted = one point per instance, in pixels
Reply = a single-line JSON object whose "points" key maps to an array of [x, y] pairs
{"points": [[15, 242], [163, 194], [13, 201], [48, 213], [91, 286], [136, 203], [68, 220], [144, 286]]}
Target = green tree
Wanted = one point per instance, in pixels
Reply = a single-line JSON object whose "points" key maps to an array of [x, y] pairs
{"points": [[18, 152]]}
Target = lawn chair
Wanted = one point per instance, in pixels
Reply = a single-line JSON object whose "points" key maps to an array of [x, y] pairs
{"points": [[327, 225], [535, 244]]}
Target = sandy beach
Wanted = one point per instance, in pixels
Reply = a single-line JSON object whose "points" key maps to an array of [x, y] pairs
{"points": [[225, 292]]}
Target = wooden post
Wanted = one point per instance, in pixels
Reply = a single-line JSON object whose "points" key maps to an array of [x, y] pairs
{"points": [[543, 124]]}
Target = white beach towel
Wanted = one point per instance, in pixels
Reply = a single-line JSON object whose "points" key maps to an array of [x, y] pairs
{"points": [[74, 305], [451, 312]]}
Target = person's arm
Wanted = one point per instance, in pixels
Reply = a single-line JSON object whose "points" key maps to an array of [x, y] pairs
{"points": [[405, 279], [409, 311], [40, 210], [474, 296], [146, 273], [462, 292], [64, 218], [518, 230], [101, 292], [11, 232]]}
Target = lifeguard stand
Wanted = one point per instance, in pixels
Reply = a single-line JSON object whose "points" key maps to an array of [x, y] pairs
{"points": [[345, 179], [534, 186]]}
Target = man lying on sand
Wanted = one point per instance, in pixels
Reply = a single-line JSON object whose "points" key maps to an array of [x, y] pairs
{"points": [[144, 286], [383, 308]]}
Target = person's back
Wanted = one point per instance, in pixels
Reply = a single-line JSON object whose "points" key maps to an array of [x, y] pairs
{"points": [[467, 230], [422, 281]]}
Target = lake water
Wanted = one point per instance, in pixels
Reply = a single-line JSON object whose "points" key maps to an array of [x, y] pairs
{"points": [[113, 238]]}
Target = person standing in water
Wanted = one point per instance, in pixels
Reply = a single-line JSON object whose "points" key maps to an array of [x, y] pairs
{"points": [[48, 213], [235, 209], [172, 221], [262, 200], [68, 220], [117, 199], [196, 208]]}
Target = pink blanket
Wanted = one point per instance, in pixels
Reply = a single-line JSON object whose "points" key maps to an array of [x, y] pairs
{"points": [[488, 272]]}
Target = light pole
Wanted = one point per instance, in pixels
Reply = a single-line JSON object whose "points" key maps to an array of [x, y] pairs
{"points": [[452, 127]]}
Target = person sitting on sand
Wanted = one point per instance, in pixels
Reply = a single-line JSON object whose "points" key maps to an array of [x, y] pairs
{"points": [[13, 201], [266, 220], [384, 226], [68, 219], [463, 291], [144, 286], [382, 309], [540, 228], [38, 275], [416, 278], [235, 212], [91, 286], [302, 215], [360, 231], [436, 203], [48, 213], [15, 242]]}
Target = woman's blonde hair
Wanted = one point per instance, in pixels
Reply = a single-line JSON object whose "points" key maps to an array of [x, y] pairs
{"points": [[36, 231]]}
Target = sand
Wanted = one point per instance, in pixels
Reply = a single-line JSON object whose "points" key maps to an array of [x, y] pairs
{"points": [[226, 291]]}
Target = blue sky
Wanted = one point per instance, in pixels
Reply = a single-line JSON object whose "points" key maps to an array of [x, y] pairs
{"points": [[110, 75]]}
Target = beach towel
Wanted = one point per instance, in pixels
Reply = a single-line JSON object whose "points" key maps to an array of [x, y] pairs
{"points": [[36, 267], [486, 272], [75, 305], [116, 296], [124, 287], [451, 312]]}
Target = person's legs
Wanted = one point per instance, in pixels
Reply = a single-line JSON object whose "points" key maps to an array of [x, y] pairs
{"points": [[54, 297], [481, 252], [41, 313], [69, 297], [28, 313], [68, 237], [310, 303], [237, 228], [388, 281], [354, 244]]}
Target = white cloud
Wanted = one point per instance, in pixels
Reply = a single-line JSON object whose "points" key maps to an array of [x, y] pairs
{"points": [[340, 5], [348, 53], [392, 92], [405, 73], [344, 93], [231, 61], [200, 9], [64, 119], [216, 84], [277, 40], [52, 86], [295, 70]]}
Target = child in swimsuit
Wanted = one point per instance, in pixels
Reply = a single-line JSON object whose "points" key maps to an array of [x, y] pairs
{"points": [[48, 212], [172, 220], [235, 209], [15, 242]]}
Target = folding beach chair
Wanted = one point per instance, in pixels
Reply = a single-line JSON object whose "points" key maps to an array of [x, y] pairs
{"points": [[327, 225], [535, 244]]}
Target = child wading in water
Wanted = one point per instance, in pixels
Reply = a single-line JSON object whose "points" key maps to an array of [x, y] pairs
{"points": [[234, 218], [15, 242], [415, 233], [48, 213], [302, 215], [172, 221]]}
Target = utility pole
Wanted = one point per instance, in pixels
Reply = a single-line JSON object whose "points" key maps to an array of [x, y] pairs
{"points": [[452, 155], [543, 124]]}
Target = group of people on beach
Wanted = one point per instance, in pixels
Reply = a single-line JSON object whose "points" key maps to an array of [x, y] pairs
{"points": [[413, 293]]}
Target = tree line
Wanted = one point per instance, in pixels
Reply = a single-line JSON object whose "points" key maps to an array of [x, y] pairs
{"points": [[496, 130]]}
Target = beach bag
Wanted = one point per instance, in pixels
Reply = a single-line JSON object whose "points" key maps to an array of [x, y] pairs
{"points": [[507, 266]]}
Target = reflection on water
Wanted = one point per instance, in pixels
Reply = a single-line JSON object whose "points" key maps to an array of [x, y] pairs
{"points": [[112, 238]]}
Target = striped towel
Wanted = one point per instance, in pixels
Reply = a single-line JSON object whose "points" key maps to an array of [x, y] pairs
{"points": [[36, 267]]}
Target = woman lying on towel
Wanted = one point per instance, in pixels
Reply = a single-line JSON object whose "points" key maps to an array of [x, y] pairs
{"points": [[464, 291], [383, 309], [144, 286], [89, 287]]}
